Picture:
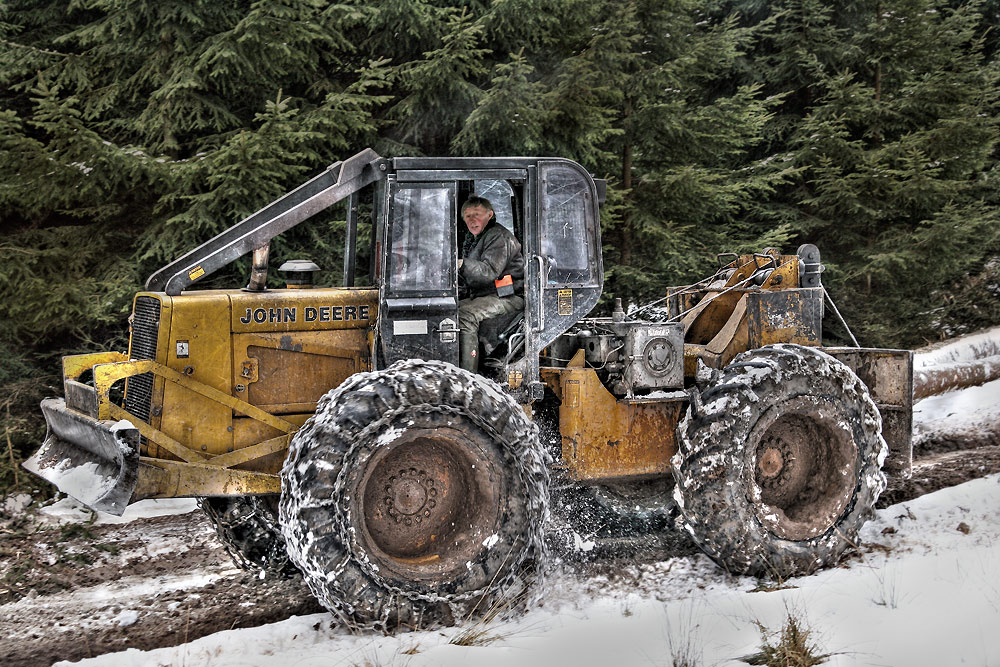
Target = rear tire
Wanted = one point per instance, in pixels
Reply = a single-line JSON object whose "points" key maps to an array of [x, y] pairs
{"points": [[248, 528], [779, 462], [415, 496]]}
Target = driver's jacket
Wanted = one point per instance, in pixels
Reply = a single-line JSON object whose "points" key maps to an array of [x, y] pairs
{"points": [[494, 254]]}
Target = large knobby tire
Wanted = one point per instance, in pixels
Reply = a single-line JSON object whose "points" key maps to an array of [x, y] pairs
{"points": [[415, 496], [779, 462], [248, 528]]}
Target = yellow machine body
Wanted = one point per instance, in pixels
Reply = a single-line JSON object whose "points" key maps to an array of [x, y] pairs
{"points": [[607, 437], [233, 376], [230, 375]]}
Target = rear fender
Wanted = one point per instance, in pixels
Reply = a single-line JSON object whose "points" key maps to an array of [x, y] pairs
{"points": [[888, 375]]}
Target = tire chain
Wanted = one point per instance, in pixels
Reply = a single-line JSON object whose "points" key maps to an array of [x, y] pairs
{"points": [[536, 485], [745, 376], [247, 515]]}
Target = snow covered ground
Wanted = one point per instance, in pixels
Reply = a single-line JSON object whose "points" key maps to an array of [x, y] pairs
{"points": [[925, 590]]}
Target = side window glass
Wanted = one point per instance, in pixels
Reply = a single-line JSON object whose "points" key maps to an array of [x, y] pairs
{"points": [[500, 194], [421, 244], [567, 215]]}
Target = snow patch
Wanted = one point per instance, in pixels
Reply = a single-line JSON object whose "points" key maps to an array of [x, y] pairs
{"points": [[86, 480], [126, 618], [70, 510], [581, 544], [15, 505]]}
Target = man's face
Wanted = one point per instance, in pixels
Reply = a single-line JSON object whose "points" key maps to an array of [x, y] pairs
{"points": [[476, 218]]}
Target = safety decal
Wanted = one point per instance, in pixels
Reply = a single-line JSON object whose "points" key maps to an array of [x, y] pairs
{"points": [[565, 302]]}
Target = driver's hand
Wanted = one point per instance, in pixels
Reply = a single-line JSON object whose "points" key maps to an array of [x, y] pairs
{"points": [[460, 264]]}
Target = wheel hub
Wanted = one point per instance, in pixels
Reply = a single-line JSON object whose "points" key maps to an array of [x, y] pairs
{"points": [[804, 468], [426, 500], [770, 464], [410, 496]]}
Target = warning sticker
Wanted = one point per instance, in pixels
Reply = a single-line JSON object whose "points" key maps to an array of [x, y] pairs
{"points": [[515, 379], [565, 302], [196, 273]]}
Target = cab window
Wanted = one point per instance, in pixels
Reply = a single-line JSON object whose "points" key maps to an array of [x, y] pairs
{"points": [[501, 196], [421, 243], [567, 221]]}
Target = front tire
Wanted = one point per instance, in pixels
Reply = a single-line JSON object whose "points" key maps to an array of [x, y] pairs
{"points": [[415, 496], [779, 462]]}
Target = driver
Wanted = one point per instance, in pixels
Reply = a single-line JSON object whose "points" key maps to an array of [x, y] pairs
{"points": [[490, 255]]}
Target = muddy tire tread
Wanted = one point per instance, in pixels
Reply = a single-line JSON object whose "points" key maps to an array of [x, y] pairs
{"points": [[711, 467], [317, 481]]}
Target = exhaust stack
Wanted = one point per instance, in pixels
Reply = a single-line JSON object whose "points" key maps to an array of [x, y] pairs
{"points": [[258, 272]]}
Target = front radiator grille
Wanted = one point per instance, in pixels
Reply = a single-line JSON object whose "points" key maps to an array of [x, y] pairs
{"points": [[145, 330]]}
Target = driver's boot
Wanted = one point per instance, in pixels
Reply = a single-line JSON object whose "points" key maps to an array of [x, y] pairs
{"points": [[468, 352]]}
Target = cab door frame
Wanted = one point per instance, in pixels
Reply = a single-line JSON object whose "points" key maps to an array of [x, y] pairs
{"points": [[564, 270]]}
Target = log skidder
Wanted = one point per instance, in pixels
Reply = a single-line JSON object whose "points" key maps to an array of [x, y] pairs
{"points": [[779, 462], [415, 495]]}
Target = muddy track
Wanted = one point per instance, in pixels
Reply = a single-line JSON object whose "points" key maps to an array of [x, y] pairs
{"points": [[940, 464], [73, 592]]}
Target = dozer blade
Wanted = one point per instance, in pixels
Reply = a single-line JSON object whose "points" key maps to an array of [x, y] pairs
{"points": [[96, 462]]}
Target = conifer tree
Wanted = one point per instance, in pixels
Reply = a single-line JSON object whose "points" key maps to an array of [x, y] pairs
{"points": [[508, 119], [896, 145], [657, 122], [440, 88], [58, 170]]}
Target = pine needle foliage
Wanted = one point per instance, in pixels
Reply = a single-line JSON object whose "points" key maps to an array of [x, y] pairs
{"points": [[894, 143], [132, 130]]}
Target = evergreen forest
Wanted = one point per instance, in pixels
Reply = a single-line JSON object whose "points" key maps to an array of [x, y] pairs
{"points": [[133, 130]]}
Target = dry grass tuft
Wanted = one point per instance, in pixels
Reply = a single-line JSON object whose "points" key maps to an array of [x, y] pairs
{"points": [[790, 647], [886, 592], [684, 639], [483, 631]]}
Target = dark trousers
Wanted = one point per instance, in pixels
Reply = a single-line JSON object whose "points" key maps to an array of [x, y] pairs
{"points": [[471, 313]]}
